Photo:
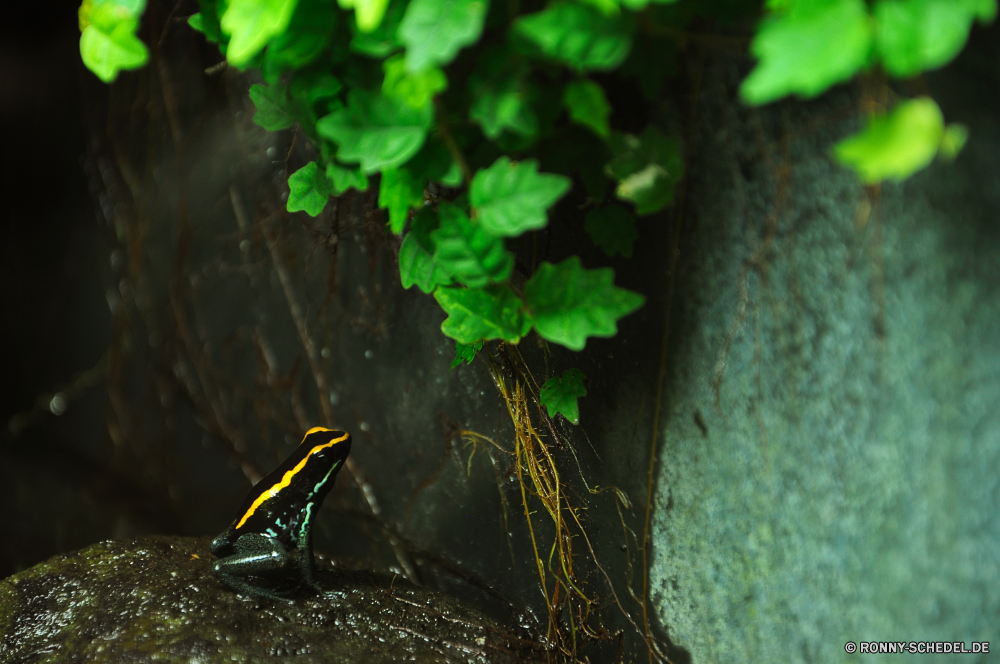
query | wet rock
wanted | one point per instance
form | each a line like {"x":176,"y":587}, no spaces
{"x":157,"y":599}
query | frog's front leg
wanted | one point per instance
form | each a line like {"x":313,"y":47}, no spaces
{"x":307,"y":564}
{"x":255,"y":554}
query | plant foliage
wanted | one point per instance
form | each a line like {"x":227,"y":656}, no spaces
{"x":108,"y":43}
{"x":559,"y":395}
{"x":506,"y":110}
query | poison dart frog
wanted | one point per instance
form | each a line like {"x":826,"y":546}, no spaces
{"x":277,"y":515}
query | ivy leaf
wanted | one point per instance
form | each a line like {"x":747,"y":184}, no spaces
{"x":588,"y":106}
{"x":108,"y":43}
{"x":476,"y":314}
{"x":435,"y":30}
{"x":309,"y":190}
{"x":274,"y":110}
{"x":578,"y":35}
{"x":417,"y":266}
{"x":569,"y":304}
{"x":915,"y":35}
{"x":251,"y":24}
{"x":367,"y":13}
{"x":466,"y":353}
{"x":434,"y":163}
{"x":377,"y":131}
{"x":307,"y":35}
{"x":897,"y":145}
{"x":399,"y":191}
{"x":203,"y":22}
{"x":511,"y":197}
{"x":639,"y":5}
{"x":612,"y":228}
{"x":416,"y":89}
{"x":559,"y":395}
{"x":953,"y":140}
{"x":416,"y":254}
{"x":345,"y":178}
{"x":807,"y":48}
{"x":501,"y":95}
{"x":467,"y":252}
{"x":646,"y":168}
{"x":382,"y":40}
{"x":310,"y":87}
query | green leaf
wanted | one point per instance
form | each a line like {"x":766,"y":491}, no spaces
{"x":251,"y":24}
{"x":579,"y":35}
{"x":511,"y":197}
{"x":367,"y":13}
{"x":203,"y":23}
{"x":559,"y":395}
{"x":107,"y":53}
{"x":466,"y":353}
{"x":309,"y":190}
{"x":897,"y":145}
{"x":476,"y":314}
{"x":502,"y":95}
{"x":638,"y":5}
{"x":399,"y":191}
{"x":274,"y":110}
{"x":435,"y":164}
{"x":953,"y":140}
{"x":569,"y":304}
{"x":588,"y":106}
{"x":414,"y":88}
{"x":307,"y":36}
{"x":612,"y":228}
{"x":345,"y":178}
{"x":383,"y":40}
{"x":435,"y":30}
{"x":310,"y":87}
{"x":808,"y":48}
{"x":416,"y":254}
{"x":915,"y":35}
{"x":108,"y":43}
{"x":106,"y":14}
{"x":646,"y":168}
{"x":377,"y":131}
{"x":417,"y":266}
{"x":467,"y":252}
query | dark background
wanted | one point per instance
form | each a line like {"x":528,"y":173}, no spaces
{"x":55,"y":272}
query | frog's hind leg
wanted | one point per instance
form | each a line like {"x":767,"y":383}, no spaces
{"x":255,"y":554}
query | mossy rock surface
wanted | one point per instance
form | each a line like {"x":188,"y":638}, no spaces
{"x":156,"y":599}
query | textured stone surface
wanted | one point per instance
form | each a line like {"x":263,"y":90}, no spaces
{"x":828,"y":471}
{"x":156,"y":599}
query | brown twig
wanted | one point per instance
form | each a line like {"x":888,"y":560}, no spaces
{"x":322,"y":387}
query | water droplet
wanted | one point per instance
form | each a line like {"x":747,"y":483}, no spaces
{"x":325,"y":352}
{"x":364,"y":427}
{"x":58,"y":403}
{"x":334,"y":398}
{"x":369,"y":354}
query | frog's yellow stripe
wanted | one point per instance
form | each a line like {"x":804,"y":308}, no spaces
{"x":288,"y":476}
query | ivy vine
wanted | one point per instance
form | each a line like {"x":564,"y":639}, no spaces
{"x":505,"y":106}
